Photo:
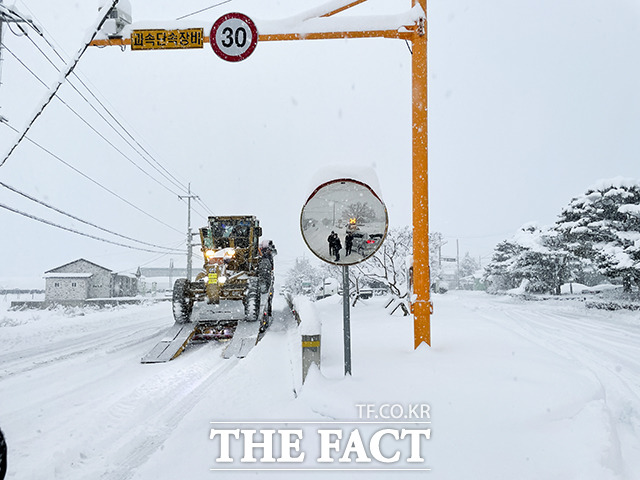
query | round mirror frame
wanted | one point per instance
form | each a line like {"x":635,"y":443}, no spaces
{"x":361,"y":253}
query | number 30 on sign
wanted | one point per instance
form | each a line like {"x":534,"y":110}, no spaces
{"x":234,"y":37}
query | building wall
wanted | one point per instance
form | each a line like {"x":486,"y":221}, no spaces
{"x":66,"y":288}
{"x":124,"y":286}
{"x":99,"y":285}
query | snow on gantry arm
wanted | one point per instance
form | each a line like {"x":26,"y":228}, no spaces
{"x":313,"y":21}
{"x":318,"y":20}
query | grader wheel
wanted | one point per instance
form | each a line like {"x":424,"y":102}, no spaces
{"x":252,"y":300}
{"x":182,"y":301}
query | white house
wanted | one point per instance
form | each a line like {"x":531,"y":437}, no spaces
{"x":81,"y":280}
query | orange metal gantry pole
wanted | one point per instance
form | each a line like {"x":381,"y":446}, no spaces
{"x":421,"y":303}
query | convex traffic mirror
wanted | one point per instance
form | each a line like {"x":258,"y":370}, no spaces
{"x":344,"y":222}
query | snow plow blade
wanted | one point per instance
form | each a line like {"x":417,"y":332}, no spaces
{"x":244,"y":339}
{"x":173,"y":344}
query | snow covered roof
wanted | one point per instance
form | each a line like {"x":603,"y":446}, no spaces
{"x":68,"y":275}
{"x":53,"y":270}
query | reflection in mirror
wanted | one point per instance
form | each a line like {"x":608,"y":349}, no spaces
{"x":344,"y":222}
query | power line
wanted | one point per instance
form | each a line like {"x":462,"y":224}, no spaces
{"x":93,"y":181}
{"x":41,"y":32}
{"x":203,"y":10}
{"x":163,"y":172}
{"x":153,"y":260}
{"x":71,"y":109}
{"x":77,"y":232}
{"x":88,"y":124}
{"x":51,"y":207}
{"x":54,"y":90}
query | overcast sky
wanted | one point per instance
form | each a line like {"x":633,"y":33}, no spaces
{"x":530,"y":102}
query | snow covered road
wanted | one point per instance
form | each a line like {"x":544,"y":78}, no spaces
{"x":603,"y":346}
{"x":516,"y":389}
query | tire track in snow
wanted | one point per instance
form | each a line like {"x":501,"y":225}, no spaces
{"x":602,"y":348}
{"x":95,"y":338}
{"x":169,"y":399}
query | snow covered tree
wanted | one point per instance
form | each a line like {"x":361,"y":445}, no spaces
{"x":303,"y":277}
{"x":361,"y":211}
{"x":603,"y":225}
{"x":500,"y":274}
{"x":388,"y":264}
{"x":542,"y":262}
{"x":436,"y":241}
{"x":468,"y":267}
{"x":534,"y":254}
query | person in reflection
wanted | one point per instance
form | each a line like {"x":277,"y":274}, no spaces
{"x":348,"y":243}
{"x":332,"y":240}
{"x":337,"y":246}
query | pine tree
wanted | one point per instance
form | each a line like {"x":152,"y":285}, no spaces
{"x":603,"y":225}
{"x":534,"y":254}
{"x":500,"y":274}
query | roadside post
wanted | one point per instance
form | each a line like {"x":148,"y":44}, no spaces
{"x":346,"y":319}
{"x":311,"y":353}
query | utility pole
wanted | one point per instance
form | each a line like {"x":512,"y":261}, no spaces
{"x":1,"y":45}
{"x":458,"y":264}
{"x":189,"y":234}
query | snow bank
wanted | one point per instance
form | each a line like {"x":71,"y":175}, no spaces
{"x":309,"y":320}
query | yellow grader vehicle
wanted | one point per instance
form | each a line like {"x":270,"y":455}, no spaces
{"x":230,"y":298}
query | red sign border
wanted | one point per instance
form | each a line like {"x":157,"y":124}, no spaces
{"x":254,"y":36}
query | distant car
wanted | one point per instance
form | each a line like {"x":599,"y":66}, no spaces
{"x":365,"y":244}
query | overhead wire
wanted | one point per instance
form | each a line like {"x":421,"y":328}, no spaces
{"x":203,"y":10}
{"x":153,"y":260}
{"x":49,"y":152}
{"x":161,"y":169}
{"x":88,"y":124}
{"x":77,"y":232}
{"x":86,"y":222}
{"x":41,"y":32}
{"x":58,"y":158}
{"x":53,"y":91}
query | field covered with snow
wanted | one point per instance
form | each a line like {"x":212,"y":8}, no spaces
{"x":515,"y":390}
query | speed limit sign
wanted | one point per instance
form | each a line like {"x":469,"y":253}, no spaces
{"x":234,"y":37}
